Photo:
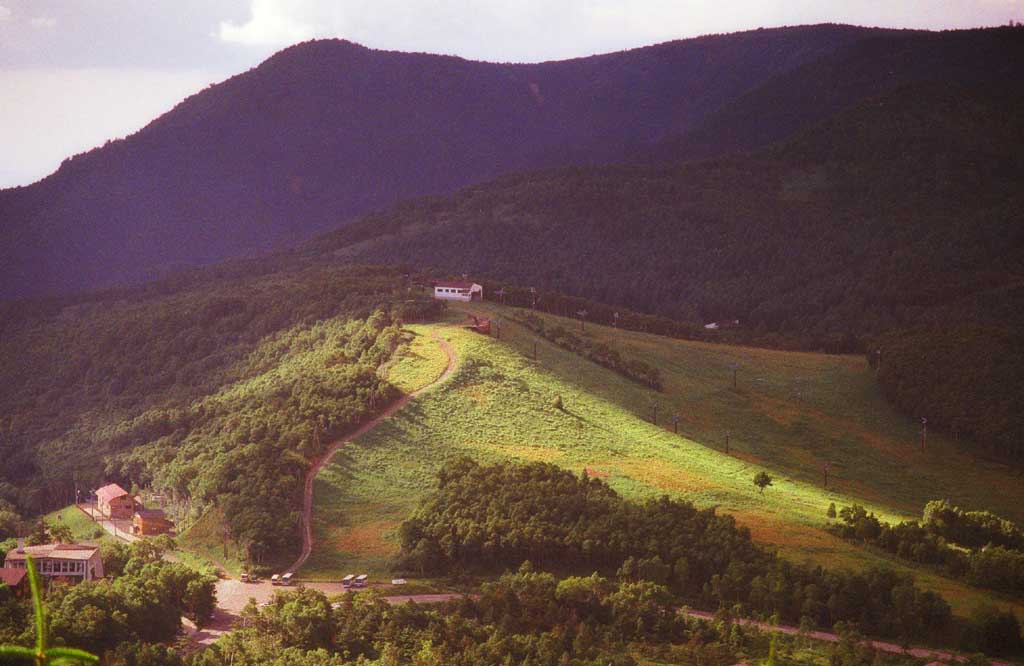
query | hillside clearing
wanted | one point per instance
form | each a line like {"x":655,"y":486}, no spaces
{"x":499,"y":406}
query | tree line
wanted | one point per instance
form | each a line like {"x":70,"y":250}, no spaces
{"x":485,"y":517}
{"x":524,"y":617}
{"x":601,"y":353}
{"x":977,"y":547}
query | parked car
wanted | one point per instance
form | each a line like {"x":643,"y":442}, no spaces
{"x":398,"y":581}
{"x":275,"y":580}
{"x":244,"y":577}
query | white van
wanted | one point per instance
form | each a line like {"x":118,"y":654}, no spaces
{"x":275,"y":580}
{"x":286,"y":579}
{"x":361,"y":580}
{"x":346,"y":582}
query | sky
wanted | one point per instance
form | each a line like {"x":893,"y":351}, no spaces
{"x":76,"y":73}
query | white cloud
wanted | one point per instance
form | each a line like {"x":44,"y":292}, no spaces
{"x":43,"y":22}
{"x":5,"y":14}
{"x":272,"y":23}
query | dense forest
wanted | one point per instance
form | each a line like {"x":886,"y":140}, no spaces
{"x":964,"y":379}
{"x":483,"y":518}
{"x":897,"y":212}
{"x":218,"y":388}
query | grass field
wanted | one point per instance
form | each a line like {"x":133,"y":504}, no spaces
{"x":788,"y":414}
{"x":82,"y":526}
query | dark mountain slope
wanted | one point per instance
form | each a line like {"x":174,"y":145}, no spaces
{"x":327,"y":130}
{"x":870,"y":67}
{"x":905,"y":208}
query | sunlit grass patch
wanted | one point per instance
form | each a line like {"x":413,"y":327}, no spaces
{"x":419,"y":362}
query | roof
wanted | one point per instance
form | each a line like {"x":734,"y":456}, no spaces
{"x":110,"y":491}
{"x":12,"y":577}
{"x":456,"y":285}
{"x":151,"y":513}
{"x":55,"y":551}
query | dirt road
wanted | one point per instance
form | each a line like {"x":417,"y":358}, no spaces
{"x":307,"y":502}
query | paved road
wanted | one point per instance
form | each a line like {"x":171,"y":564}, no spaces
{"x":233,"y":595}
{"x":307,"y":503}
{"x":919,"y":652}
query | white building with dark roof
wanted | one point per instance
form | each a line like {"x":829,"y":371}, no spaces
{"x":458,"y":291}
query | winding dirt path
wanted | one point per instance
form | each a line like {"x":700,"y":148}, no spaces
{"x":307,"y":500}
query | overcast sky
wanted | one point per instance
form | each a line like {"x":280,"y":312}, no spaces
{"x":74,"y":73}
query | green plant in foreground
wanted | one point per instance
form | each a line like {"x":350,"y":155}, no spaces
{"x":42,"y":655}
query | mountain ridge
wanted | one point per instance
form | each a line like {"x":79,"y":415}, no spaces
{"x":325,"y":131}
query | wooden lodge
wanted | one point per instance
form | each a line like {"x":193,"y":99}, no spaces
{"x":151,"y":522}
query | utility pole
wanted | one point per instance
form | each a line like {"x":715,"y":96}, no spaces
{"x":654,"y":405}
{"x":533,"y":298}
{"x":675,"y":423}
{"x":535,"y":349}
{"x":726,"y":442}
{"x":924,"y":432}
{"x":734,"y":368}
{"x":878,"y":362}
{"x":825,"y":470}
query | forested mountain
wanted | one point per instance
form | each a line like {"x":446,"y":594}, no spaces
{"x":903,"y":210}
{"x":864,"y":69}
{"x":326,"y":130}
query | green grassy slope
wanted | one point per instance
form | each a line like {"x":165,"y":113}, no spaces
{"x":82,"y":527}
{"x":498,"y":406}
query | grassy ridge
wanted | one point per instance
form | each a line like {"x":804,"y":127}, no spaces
{"x":499,"y":406}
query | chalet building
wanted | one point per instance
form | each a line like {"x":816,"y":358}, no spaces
{"x":458,"y":291}
{"x":70,"y":561}
{"x":151,"y":522}
{"x":113,"y":501}
{"x":16,"y":579}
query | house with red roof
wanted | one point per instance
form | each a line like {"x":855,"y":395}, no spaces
{"x":16,"y":579}
{"x":113,"y":501}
